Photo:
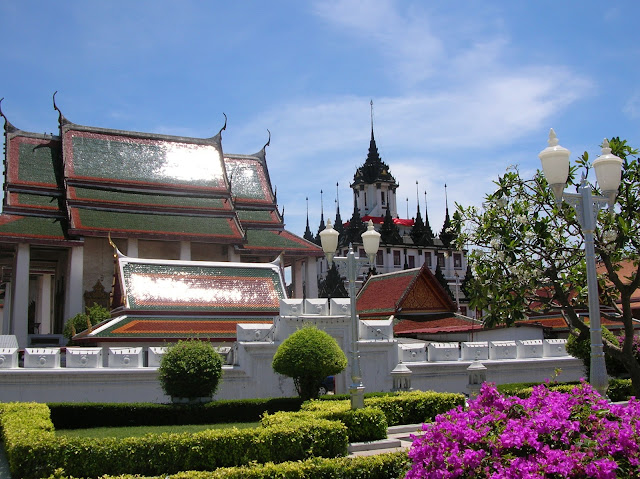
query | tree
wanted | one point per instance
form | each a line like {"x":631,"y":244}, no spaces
{"x":529,"y":254}
{"x":190,"y":369}
{"x":81,"y":321}
{"x":308,"y":356}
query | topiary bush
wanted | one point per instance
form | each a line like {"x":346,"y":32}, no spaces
{"x":190,"y":369}
{"x":308,"y":356}
{"x":94,"y":314}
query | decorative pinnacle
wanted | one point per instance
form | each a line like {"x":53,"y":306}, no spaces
{"x":605,"y":147}
{"x":553,"y":139}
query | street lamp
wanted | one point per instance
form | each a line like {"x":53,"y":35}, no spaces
{"x":555,"y":166}
{"x":371,"y":242}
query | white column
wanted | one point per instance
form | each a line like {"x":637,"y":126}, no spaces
{"x":312,"y":277}
{"x":73,"y":303}
{"x":132,"y":247}
{"x":297,"y":279}
{"x":232,"y":255}
{"x":185,"y":250}
{"x":43,"y":304}
{"x":18,"y":322}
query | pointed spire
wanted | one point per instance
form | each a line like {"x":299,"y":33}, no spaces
{"x":308,"y":235}
{"x":428,"y":232}
{"x":371,"y":103}
{"x":417,"y":197}
{"x":337,"y":224}
{"x":446,"y":235}
{"x":322,"y":225}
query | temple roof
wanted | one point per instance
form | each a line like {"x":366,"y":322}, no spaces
{"x":374,"y":170}
{"x":411,"y":292}
{"x":101,"y":182}
{"x":179,"y":299}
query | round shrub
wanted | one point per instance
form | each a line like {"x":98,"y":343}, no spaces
{"x":581,"y":349}
{"x":550,"y":434}
{"x":190,"y":369}
{"x":308,"y":356}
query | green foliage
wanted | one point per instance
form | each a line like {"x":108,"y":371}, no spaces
{"x":528,"y":251}
{"x":364,"y":424}
{"x":380,"y":466}
{"x":34,"y":451}
{"x":619,"y":389}
{"x":83,"y":415}
{"x":308,"y":356}
{"x":190,"y":369}
{"x":579,"y":346}
{"x":81,"y":321}
{"x":402,"y":407}
{"x":524,"y":390}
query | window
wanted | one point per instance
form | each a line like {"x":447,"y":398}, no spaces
{"x":396,"y":258}
{"x":427,"y":259}
{"x":463,"y":310}
{"x":380,"y":258}
{"x":440,"y":257}
{"x":365,"y":199}
{"x":362,"y":253}
{"x":457,"y":260}
{"x":382,"y":197}
{"x":412,"y":261}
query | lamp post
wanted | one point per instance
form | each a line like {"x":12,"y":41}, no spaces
{"x":371,"y":242}
{"x":555,"y":166}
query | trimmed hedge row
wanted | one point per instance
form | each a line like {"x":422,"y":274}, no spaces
{"x":380,"y":466}
{"x":620,"y":389}
{"x":87,"y":415}
{"x":365,"y":424}
{"x":35,"y":451}
{"x":411,"y":407}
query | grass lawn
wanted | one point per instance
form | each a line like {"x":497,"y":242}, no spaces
{"x":132,"y":431}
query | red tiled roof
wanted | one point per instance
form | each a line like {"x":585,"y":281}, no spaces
{"x":412,"y":291}
{"x":447,"y":324}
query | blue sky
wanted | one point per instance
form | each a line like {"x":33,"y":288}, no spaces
{"x":461,"y":89}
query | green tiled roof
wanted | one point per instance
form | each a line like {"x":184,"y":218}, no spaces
{"x":248,"y":180}
{"x":258,"y":216}
{"x":99,"y":195}
{"x":30,"y":227}
{"x":142,"y":161}
{"x":38,"y":162}
{"x":85,"y":220}
{"x":33,"y":161}
{"x":25,"y":199}
{"x":259,"y":239}
{"x":175,"y":286}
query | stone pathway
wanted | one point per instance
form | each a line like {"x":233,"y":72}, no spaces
{"x":398,"y":439}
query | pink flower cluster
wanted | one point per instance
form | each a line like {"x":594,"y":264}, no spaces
{"x":550,"y":434}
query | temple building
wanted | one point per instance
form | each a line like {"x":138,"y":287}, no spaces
{"x":67,"y":196}
{"x":406,"y":243}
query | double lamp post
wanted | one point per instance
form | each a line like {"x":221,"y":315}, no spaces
{"x":371,"y":242}
{"x":608,"y":167}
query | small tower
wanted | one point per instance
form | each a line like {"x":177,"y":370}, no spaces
{"x":374,"y":188}
{"x":308,"y":235}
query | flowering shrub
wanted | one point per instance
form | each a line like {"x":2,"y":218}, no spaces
{"x":550,"y":434}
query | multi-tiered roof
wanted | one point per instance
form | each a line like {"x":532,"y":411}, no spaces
{"x":91,"y":181}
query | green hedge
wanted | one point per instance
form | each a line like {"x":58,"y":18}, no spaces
{"x":620,"y":389}
{"x":87,"y":415}
{"x":365,"y":424}
{"x":380,"y":466}
{"x":414,"y":407}
{"x":411,"y":407}
{"x":34,"y":451}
